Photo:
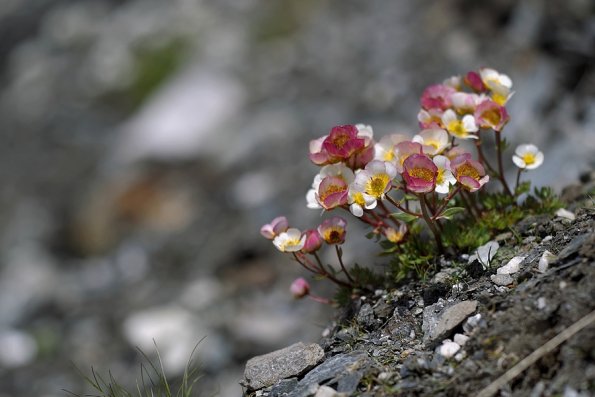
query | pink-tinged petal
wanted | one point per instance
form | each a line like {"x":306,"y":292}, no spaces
{"x":313,"y":241}
{"x":332,"y":192}
{"x":275,"y":227}
{"x":333,"y":230}
{"x":437,"y":97}
{"x":474,"y":81}
{"x":343,"y":141}
{"x":419,"y":173}
{"x":360,"y":159}
{"x":489,"y":114}
{"x":404,"y":150}
{"x":299,"y":288}
{"x":470,"y":183}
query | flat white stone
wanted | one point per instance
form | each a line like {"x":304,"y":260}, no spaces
{"x":485,"y":253}
{"x":448,"y":348}
{"x":564,"y":213}
{"x":513,"y":266}
{"x":461,"y":339}
{"x":545,"y":260}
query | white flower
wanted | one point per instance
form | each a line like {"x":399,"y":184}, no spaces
{"x":527,"y":156}
{"x":434,"y":140}
{"x":358,"y":199}
{"x":460,"y":128}
{"x":290,"y":241}
{"x":444,"y":178}
{"x":499,"y":83}
{"x":453,"y":81}
{"x":465,"y":102}
{"x":384,"y":150}
{"x":366,"y":132}
{"x":376,"y":179}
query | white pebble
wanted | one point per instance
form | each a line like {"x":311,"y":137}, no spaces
{"x":546,"y":239}
{"x":545,"y":260}
{"x":448,"y":348}
{"x":461,"y":339}
{"x":541,"y":303}
{"x":564,"y":213}
{"x":513,"y":266}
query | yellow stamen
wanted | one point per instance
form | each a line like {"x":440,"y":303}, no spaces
{"x":333,"y":235}
{"x":492,"y":116}
{"x":331,"y":190}
{"x":389,"y":155}
{"x":529,"y":158}
{"x":499,"y":99}
{"x":377,"y":185}
{"x":289,"y":243}
{"x":422,"y":173}
{"x":394,"y":236}
{"x":440,"y":177}
{"x":457,"y":129}
{"x":468,"y":170}
{"x":358,"y":198}
{"x":340,"y":140}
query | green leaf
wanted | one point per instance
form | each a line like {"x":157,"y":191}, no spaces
{"x":410,"y":197}
{"x":403,"y":216}
{"x":450,"y":212}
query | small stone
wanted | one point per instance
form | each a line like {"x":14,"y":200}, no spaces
{"x":541,"y":303}
{"x":460,"y":356}
{"x":472,"y":323}
{"x":448,"y":349}
{"x":266,"y":370}
{"x":545,"y":260}
{"x":564,"y":213}
{"x":439,"y":321}
{"x":365,"y":316}
{"x":501,"y":279}
{"x":485,"y":253}
{"x":574,"y":246}
{"x":513,"y":266}
{"x":384,"y":376}
{"x":547,"y":238}
{"x":461,"y":339}
{"x":326,"y":391}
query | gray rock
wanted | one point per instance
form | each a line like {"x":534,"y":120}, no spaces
{"x":283,"y":387}
{"x":501,"y":279}
{"x":266,"y":370}
{"x":346,"y":370}
{"x":365,"y":316}
{"x":439,"y":320}
{"x":574,"y":246}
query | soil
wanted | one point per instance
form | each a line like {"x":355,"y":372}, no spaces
{"x":513,"y":321}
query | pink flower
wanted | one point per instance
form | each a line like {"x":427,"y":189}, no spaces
{"x":437,"y":97}
{"x":333,"y":230}
{"x":343,"y":142}
{"x":473,"y":80}
{"x":431,"y":118}
{"x":468,"y":172}
{"x":318,"y":154}
{"x":277,"y":226}
{"x":489,"y":114}
{"x":404,"y":150}
{"x":299,"y":288}
{"x":332,"y":192}
{"x":313,"y":241}
{"x":351,"y":144}
{"x":419,"y":173}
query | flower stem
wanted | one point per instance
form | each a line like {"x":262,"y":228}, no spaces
{"x":500,"y":166}
{"x":482,"y":158}
{"x":396,"y":204}
{"x":340,"y":257}
{"x":518,"y":179}
{"x":325,"y":273}
{"x":446,"y":201}
{"x":430,"y":222}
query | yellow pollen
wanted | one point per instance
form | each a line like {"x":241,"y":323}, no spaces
{"x":358,"y":198}
{"x":394,"y":236}
{"x":435,"y":144}
{"x":289,"y":243}
{"x":389,"y":155}
{"x":440,"y":177}
{"x":332,"y":235}
{"x":377,"y":184}
{"x":499,"y":99}
{"x":492,"y":116}
{"x":529,"y":158}
{"x":468,"y":170}
{"x":340,"y":140}
{"x":457,"y":129}
{"x":330,"y":190}
{"x":422,"y":173}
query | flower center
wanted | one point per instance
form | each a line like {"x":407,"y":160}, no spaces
{"x":440,"y":177}
{"x":422,"y":173}
{"x":389,"y":155}
{"x":358,"y":198}
{"x":529,"y":158}
{"x":468,"y":170}
{"x":333,"y":235}
{"x":290,"y":243}
{"x":492,"y":116}
{"x":340,"y":139}
{"x":377,"y":185}
{"x":499,"y":99}
{"x":332,"y":189}
{"x":457,"y":129}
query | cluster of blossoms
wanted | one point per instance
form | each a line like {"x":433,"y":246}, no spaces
{"x":401,"y":178}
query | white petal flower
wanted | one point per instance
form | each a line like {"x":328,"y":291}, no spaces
{"x":384,"y":150}
{"x":459,"y":128}
{"x":527,"y":156}
{"x":444,"y":178}
{"x":357,"y":198}
{"x":290,"y":241}
{"x":499,"y":83}
{"x":366,"y":132}
{"x":434,"y":140}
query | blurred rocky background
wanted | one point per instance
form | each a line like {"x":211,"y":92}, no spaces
{"x":144,"y":142}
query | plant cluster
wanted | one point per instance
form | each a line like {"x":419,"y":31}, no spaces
{"x":399,"y":183}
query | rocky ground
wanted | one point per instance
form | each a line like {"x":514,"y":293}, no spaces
{"x":456,"y":333}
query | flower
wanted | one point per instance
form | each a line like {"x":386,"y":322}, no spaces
{"x":276,"y":226}
{"x":420,"y":173}
{"x":358,"y":199}
{"x":375,"y":180}
{"x":498,"y":83}
{"x":469,"y":172}
{"x":473,"y":80}
{"x":313,"y":241}
{"x":352,"y":144}
{"x":336,"y":170}
{"x":431,"y":118}
{"x":434,"y":140}
{"x":489,"y":114}
{"x":332,"y":192}
{"x":527,"y":156}
{"x":393,"y":235}
{"x":453,"y":81}
{"x":464,"y":102}
{"x":460,"y":128}
{"x":444,"y":177}
{"x":291,"y":240}
{"x":404,"y":150}
{"x":385,"y":148}
{"x":299,"y":288}
{"x":437,"y":97}
{"x":333,"y":230}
